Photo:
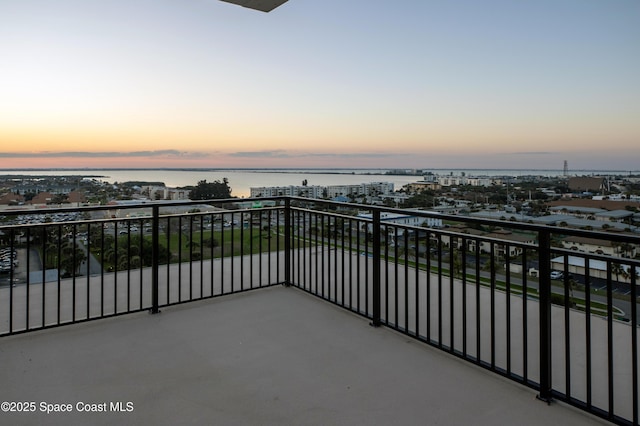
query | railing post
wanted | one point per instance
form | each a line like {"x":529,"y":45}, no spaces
{"x":287,"y":242}
{"x":544,"y":294}
{"x":376,"y":268}
{"x":155,"y":258}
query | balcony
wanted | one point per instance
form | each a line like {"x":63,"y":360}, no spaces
{"x":468,"y":328}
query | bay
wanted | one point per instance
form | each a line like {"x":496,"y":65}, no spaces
{"x":241,"y":180}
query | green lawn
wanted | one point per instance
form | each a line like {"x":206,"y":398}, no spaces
{"x":227,"y":242}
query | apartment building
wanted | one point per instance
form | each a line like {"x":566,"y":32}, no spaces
{"x":331,"y":191}
{"x":314,"y":191}
{"x":366,"y":189}
{"x":467,"y":180}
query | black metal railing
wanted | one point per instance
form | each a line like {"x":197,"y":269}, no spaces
{"x":114,"y":260}
{"x":510,"y":297}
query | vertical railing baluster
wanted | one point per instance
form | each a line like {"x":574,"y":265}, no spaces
{"x":12,"y":249}
{"x":115,"y":269}
{"x":567,"y":327}
{"x":28,"y":278}
{"x":222,"y":243}
{"x":167,"y":235}
{"x":477,"y":300}
{"x":190,"y":243}
{"x":366,"y":269}
{"x":88,"y":270}
{"x":287,"y":242}
{"x":58,"y":267}
{"x":305,"y":237}
{"x":141,"y":262}
{"x":416,"y":295}
{"x":440,"y":266}
{"x":101,"y":270}
{"x":376,"y":269}
{"x":464,"y":296}
{"x":342,"y":246}
{"x":492,"y":304}
{"x":212,"y":256}
{"x":334,"y":232}
{"x":358,"y":263}
{"x":428,"y":285}
{"x":242,"y":250}
{"x":396,"y":256}
{"x":269,"y":224}
{"x":544,"y":292}
{"x":406,"y":281}
{"x":128,"y":268}
{"x":507,"y":256}
{"x":634,"y":342}
{"x":73,"y":257}
{"x":242,"y":247}
{"x":587,"y":340}
{"x":155,"y":258}
{"x":43,"y":263}
{"x":233,"y":251}
{"x":201,"y":256}
{"x":525,"y":337}
{"x":610,"y":340}
{"x":452,"y":273}
{"x":179,"y":242}
{"x":387,"y":231}
{"x":316,"y":268}
{"x":351,"y":263}
{"x":323,"y":242}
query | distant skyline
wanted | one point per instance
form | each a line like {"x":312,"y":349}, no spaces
{"x":343,"y":84}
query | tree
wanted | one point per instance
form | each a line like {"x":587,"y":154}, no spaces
{"x":456,"y":264}
{"x":72,"y":258}
{"x":59,"y":199}
{"x":211,"y":190}
{"x":618,"y":270}
{"x":421,"y":199}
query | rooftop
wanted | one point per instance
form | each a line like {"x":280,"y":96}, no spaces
{"x":273,"y":356}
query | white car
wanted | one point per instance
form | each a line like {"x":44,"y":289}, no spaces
{"x":556,"y":275}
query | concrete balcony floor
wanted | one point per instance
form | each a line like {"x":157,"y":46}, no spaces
{"x":274,"y":356}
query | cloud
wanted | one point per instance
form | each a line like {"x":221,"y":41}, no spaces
{"x":355,"y":155}
{"x":261,"y":154}
{"x":285,"y":154}
{"x":111,"y":154}
{"x":533,"y":153}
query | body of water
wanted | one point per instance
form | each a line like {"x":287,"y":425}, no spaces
{"x":242,"y":180}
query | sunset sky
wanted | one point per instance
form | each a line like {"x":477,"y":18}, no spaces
{"x":320,"y":83}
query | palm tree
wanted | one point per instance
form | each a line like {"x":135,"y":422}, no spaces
{"x":135,"y":262}
{"x":123,"y":262}
{"x":109,"y":255}
{"x":456,"y":264}
{"x":72,"y":258}
{"x":572,"y":284}
{"x":617,"y":269}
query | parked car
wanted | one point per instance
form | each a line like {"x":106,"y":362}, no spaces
{"x":557,"y":275}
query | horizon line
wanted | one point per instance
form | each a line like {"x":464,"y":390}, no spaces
{"x":307,"y":168}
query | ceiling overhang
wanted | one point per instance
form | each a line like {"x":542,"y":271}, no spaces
{"x":262,"y":5}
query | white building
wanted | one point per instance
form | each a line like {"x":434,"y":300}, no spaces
{"x":597,"y":268}
{"x":291,"y":191}
{"x":163,"y":193}
{"x":467,"y":180}
{"x":593,"y":245}
{"x":364,"y":189}
{"x":402,"y":219}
